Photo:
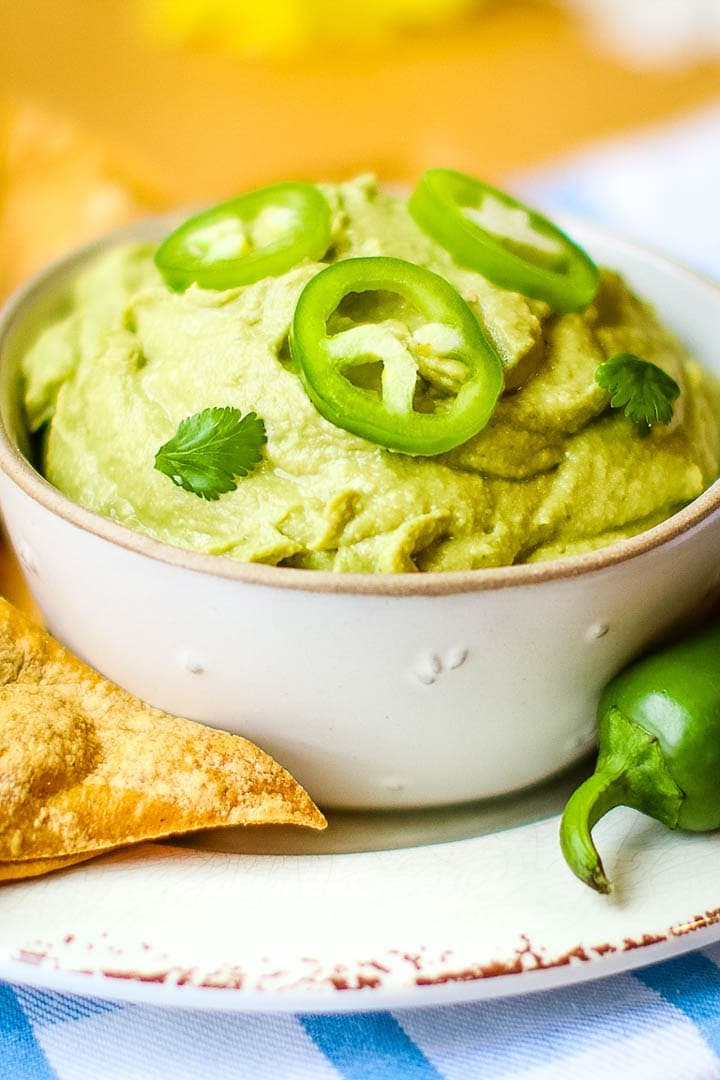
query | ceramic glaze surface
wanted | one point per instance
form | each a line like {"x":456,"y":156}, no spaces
{"x":441,"y":922}
{"x":371,"y":698}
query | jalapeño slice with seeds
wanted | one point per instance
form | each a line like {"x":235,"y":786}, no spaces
{"x":263,"y":233}
{"x":485,"y":229}
{"x":437,"y":375}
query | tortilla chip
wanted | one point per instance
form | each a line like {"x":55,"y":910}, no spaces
{"x":59,"y":187}
{"x":85,"y":766}
{"x":27,"y":868}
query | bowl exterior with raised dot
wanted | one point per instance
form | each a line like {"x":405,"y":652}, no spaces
{"x":392,"y":690}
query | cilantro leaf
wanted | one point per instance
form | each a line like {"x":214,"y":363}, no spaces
{"x":644,"y":390}
{"x":211,"y":449}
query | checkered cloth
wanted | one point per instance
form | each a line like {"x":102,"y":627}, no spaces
{"x":661,"y":1023}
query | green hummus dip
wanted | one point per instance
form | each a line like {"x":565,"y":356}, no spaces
{"x":556,"y":472}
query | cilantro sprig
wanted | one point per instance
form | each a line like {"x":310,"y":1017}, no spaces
{"x":211,"y":449}
{"x":644,"y":390}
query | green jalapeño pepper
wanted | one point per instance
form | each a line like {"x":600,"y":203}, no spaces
{"x":659,"y":749}
{"x":513,"y":246}
{"x":261,"y":234}
{"x":419,"y":384}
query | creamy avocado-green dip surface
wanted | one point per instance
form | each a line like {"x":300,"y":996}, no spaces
{"x":556,"y":471}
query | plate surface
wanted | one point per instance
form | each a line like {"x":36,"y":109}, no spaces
{"x":381,"y":911}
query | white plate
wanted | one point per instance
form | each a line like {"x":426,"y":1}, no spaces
{"x":381,"y":911}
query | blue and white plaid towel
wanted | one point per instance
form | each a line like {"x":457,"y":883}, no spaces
{"x":661,"y":1023}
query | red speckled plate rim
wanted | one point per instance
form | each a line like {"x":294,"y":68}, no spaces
{"x":553,"y":976}
{"x":665,"y":881}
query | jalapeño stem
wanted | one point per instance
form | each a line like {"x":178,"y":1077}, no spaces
{"x":631,"y":771}
{"x":600,"y":793}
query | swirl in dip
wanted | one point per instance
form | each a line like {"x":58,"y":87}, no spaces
{"x":555,"y":472}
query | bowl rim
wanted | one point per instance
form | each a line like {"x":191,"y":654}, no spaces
{"x":447,"y":582}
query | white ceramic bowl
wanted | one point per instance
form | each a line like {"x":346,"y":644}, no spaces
{"x":375,"y":691}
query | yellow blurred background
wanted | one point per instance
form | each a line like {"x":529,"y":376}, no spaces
{"x":213,"y":95}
